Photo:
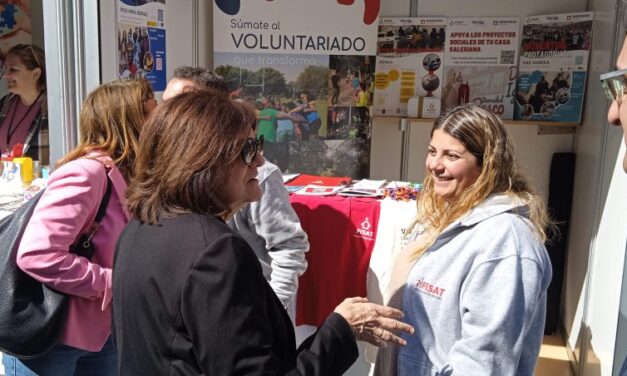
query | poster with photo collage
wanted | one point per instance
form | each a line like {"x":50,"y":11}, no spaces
{"x":481,"y":63}
{"x":409,"y":66}
{"x":141,"y":41}
{"x":309,"y":74}
{"x":555,"y":50}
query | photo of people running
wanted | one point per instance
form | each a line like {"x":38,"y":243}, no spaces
{"x":297,"y":98}
{"x":347,"y":76}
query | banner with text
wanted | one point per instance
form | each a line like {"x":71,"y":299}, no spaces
{"x":310,"y":75}
{"x":553,"y":67}
{"x":481,"y":63}
{"x":409,"y":69}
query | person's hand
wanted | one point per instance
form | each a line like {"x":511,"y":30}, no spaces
{"x":372,"y":322}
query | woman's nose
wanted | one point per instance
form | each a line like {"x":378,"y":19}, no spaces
{"x":433,"y":163}
{"x":259,"y":159}
{"x":613,"y":115}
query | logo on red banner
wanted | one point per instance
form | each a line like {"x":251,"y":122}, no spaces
{"x":365,"y":231}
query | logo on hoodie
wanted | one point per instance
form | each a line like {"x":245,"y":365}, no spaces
{"x":429,"y":288}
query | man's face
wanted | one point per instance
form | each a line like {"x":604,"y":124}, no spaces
{"x":177,"y":86}
{"x":617,"y":114}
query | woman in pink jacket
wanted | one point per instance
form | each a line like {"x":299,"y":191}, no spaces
{"x":110,"y":121}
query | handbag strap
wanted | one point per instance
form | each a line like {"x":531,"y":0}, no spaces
{"x":102,"y":210}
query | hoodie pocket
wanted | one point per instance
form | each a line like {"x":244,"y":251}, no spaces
{"x":409,"y":366}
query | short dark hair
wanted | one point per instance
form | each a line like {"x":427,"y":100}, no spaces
{"x":187,"y":147}
{"x":203,"y":77}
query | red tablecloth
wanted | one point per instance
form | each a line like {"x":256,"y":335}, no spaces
{"x":342,"y":233}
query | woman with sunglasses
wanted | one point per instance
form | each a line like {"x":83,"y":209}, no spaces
{"x":23,"y":112}
{"x":189,"y":295}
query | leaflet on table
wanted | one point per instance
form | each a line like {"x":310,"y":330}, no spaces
{"x":368,"y":184}
{"x":398,"y":184}
{"x":289,"y":177}
{"x":305,"y":179}
{"x":554,"y":58}
{"x":409,"y":65}
{"x":361,"y":192}
{"x":319,"y":190}
{"x":293,"y":188}
{"x":480,"y":60}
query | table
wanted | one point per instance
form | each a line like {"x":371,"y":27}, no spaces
{"x":346,"y":235}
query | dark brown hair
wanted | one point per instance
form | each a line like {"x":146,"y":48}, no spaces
{"x":111,"y":118}
{"x":32,"y":57}
{"x":187,"y":147}
{"x":203,"y":78}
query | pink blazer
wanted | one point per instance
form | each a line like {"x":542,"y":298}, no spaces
{"x":66,"y":209}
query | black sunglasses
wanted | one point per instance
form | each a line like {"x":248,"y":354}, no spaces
{"x":614,"y":84}
{"x":251,"y":148}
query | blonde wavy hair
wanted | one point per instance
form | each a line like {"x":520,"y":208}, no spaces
{"x":110,"y":120}
{"x":484,"y":136}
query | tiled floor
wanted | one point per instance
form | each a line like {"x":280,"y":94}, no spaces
{"x":553,"y":359}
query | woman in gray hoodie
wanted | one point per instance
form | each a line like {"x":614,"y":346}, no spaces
{"x":474,"y":275}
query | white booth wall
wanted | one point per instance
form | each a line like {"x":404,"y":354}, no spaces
{"x":595,"y":255}
{"x":597,"y":233}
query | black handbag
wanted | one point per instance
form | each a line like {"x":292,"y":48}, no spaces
{"x":32,"y":314}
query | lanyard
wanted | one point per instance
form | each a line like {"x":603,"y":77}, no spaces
{"x":13,"y":127}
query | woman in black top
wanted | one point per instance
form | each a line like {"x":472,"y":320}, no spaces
{"x":189,"y":296}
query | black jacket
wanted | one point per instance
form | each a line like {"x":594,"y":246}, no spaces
{"x":189,"y":298}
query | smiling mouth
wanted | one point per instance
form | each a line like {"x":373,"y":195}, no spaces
{"x":441,"y":179}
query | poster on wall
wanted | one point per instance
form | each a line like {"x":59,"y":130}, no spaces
{"x":309,"y":75}
{"x":15,"y":28}
{"x":481,"y":63}
{"x":141,"y":41}
{"x":553,"y":68}
{"x":409,"y":66}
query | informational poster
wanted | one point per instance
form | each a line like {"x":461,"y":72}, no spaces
{"x":481,"y":63}
{"x":553,"y":67}
{"x":141,"y":41}
{"x":15,"y":28}
{"x":409,"y":64}
{"x":310,"y":75}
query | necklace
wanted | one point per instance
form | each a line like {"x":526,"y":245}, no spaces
{"x":14,"y":126}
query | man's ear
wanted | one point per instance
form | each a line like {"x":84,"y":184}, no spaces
{"x":188,"y":88}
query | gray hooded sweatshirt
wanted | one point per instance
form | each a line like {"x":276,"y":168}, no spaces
{"x":272,"y":229}
{"x":477,"y":297}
